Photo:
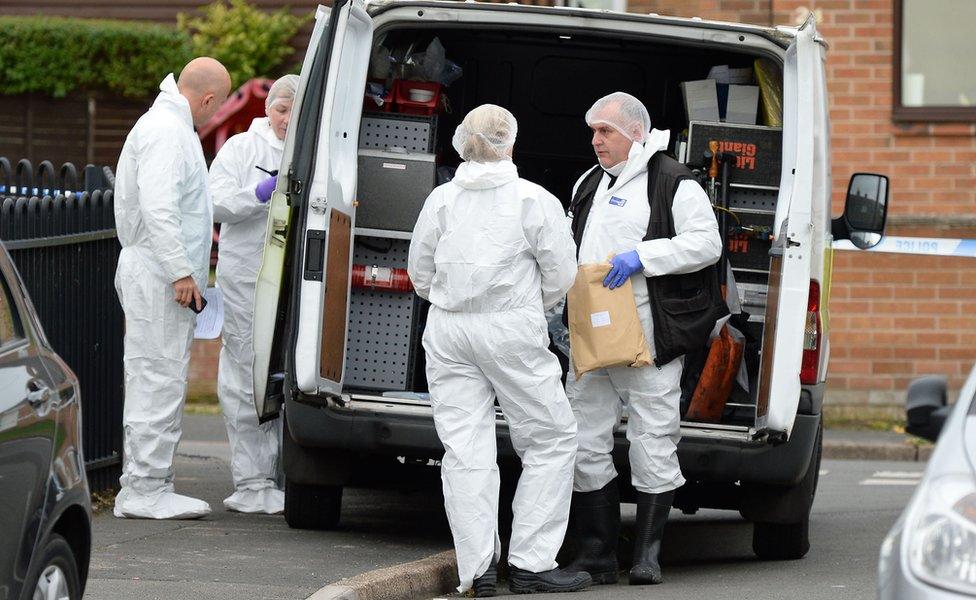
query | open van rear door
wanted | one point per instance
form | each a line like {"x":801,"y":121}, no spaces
{"x":321,"y":163}
{"x":793,"y":249}
{"x":328,"y":194}
{"x":270,"y":308}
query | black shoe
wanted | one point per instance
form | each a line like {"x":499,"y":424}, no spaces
{"x":652,"y":514}
{"x":594,"y":528}
{"x":521,"y":581}
{"x":485,"y":586}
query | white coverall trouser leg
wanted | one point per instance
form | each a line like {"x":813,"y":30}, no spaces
{"x":156,"y":360}
{"x":471,"y":358}
{"x":253,"y":446}
{"x":651,"y":396}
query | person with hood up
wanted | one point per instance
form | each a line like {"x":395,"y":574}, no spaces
{"x":163,"y":218}
{"x":242,"y":182}
{"x":492,"y":251}
{"x":644,"y":210}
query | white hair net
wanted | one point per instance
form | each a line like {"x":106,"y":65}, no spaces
{"x":487,"y":134}
{"x":624,"y":113}
{"x":282,"y":90}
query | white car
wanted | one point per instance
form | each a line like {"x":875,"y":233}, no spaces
{"x":931,"y":550}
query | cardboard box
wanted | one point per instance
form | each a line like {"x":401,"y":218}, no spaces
{"x":701,"y":100}
{"x":743,"y":104}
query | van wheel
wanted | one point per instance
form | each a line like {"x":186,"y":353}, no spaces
{"x":781,"y":541}
{"x":54,"y":575}
{"x":791,"y":541}
{"x":312,"y":506}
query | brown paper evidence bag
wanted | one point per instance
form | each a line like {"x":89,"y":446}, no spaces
{"x":604,"y":329}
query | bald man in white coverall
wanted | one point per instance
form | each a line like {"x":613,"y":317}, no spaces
{"x":164,"y":223}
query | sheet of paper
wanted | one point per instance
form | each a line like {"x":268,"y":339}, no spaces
{"x":211,"y":320}
{"x":600,"y":319}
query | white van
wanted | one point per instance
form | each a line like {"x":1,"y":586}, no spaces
{"x":346,"y":363}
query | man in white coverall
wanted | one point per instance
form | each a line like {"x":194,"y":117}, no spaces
{"x":241,"y":186}
{"x":491,"y":251}
{"x":163,"y":218}
{"x":659,"y":227}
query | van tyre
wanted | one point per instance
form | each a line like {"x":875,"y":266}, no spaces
{"x":791,"y":541}
{"x":54,"y":573}
{"x":312,"y":506}
{"x":781,"y":541}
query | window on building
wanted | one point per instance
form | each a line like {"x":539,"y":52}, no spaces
{"x":935,"y":74}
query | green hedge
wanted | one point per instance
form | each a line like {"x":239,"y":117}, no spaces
{"x":57,"y":56}
{"x":248,"y":41}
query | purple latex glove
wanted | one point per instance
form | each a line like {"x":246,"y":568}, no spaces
{"x":623,"y":266}
{"x":263,"y":190}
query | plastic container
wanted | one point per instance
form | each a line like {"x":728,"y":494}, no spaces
{"x":420,"y":95}
{"x":408,"y":97}
{"x":369,"y":103}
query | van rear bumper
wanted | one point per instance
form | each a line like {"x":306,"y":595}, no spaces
{"x":404,"y":430}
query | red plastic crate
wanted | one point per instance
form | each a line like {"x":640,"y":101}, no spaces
{"x":401,"y":97}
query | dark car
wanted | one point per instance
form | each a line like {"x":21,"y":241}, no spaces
{"x":45,"y":507}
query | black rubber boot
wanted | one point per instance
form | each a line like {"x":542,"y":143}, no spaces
{"x":521,"y":581}
{"x":594,"y":528}
{"x":486,"y":585}
{"x":652,"y":514}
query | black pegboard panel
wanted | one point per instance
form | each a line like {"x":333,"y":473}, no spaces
{"x":380,"y":323}
{"x":416,"y":134}
{"x":753,"y":199}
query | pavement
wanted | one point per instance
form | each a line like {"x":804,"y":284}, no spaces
{"x":874,"y":445}
{"x":397,"y":546}
{"x":231,"y":556}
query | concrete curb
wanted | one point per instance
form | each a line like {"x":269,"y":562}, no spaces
{"x":430,"y":576}
{"x":876,"y":451}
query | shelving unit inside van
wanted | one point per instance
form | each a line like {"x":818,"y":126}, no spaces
{"x":753,"y":192}
{"x":397,"y":171}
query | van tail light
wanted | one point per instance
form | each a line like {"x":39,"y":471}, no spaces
{"x":810,"y":368}
{"x":384,"y":279}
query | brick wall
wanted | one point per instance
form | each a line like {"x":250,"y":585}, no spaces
{"x":203,"y":368}
{"x":744,"y":11}
{"x":894,"y":316}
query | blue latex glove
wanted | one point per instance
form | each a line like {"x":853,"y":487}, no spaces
{"x":263,"y":190}
{"x":623,"y":266}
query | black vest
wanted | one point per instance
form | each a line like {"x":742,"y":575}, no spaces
{"x":684,"y":308}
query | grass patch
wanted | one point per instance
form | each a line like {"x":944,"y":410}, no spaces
{"x":864,"y":418}
{"x":202,"y":400}
{"x":201,"y":409}
{"x":204,"y":397}
{"x":102,"y":501}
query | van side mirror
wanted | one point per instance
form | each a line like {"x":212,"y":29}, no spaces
{"x":925,"y":408}
{"x":865,"y":211}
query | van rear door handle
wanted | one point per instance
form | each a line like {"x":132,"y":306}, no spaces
{"x":38,"y":393}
